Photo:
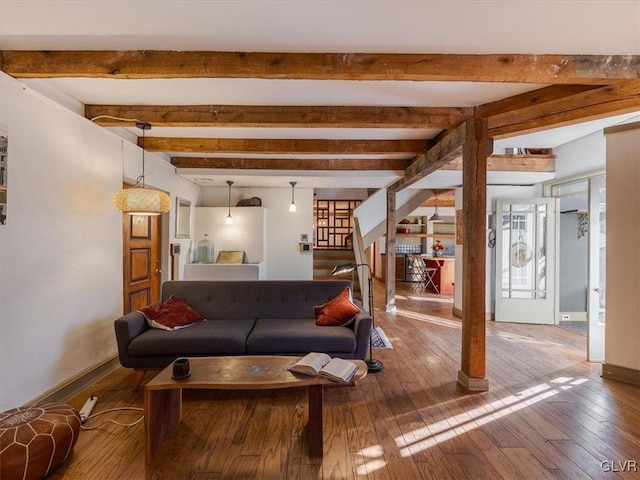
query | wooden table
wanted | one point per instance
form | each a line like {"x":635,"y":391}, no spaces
{"x":163,"y":395}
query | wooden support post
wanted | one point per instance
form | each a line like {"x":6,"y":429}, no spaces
{"x":476,"y":149}
{"x":390,"y":280}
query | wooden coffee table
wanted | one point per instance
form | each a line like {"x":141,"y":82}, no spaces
{"x":163,"y":395}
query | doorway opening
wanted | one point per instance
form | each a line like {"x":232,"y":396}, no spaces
{"x":573,"y":255}
{"x":581,"y":253}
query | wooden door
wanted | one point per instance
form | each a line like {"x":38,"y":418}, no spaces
{"x":141,"y":260}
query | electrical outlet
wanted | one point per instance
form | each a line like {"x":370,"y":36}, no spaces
{"x":566,"y":316}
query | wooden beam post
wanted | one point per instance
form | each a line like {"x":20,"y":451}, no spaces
{"x":475,"y":151}
{"x":390,"y":277}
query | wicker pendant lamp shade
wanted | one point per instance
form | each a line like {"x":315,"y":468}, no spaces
{"x":140,"y":200}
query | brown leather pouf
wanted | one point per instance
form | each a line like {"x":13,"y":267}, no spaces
{"x":36,"y":440}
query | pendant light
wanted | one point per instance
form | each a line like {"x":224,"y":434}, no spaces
{"x":229,"y":220}
{"x":140,"y":200}
{"x":436,"y":216}
{"x":292,"y":207}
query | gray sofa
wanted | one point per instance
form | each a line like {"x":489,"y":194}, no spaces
{"x":261,"y":317}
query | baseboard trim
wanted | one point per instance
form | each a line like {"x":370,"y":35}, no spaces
{"x":457,"y":312}
{"x":65,"y":391}
{"x":622,"y":374}
{"x":472,"y":384}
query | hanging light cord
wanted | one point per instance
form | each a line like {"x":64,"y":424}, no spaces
{"x":141,"y":125}
{"x":144,"y":127}
{"x":135,"y":120}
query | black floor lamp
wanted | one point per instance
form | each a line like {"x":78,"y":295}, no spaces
{"x":373,"y":366}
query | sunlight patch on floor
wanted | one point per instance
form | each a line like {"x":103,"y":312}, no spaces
{"x":422,"y":317}
{"x":434,"y":299}
{"x":434,"y":434}
{"x":370,"y":467}
{"x":371,"y":458}
{"x":517,"y":338}
{"x":421,"y":439}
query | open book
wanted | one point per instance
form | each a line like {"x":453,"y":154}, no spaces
{"x":322,"y":365}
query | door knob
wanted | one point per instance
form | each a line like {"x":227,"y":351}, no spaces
{"x":158,"y":271}
{"x":597,"y":290}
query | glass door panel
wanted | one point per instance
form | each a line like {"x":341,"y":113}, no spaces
{"x":525,"y":231}
{"x":597,"y":268}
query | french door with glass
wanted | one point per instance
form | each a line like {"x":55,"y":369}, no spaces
{"x":525,"y":260}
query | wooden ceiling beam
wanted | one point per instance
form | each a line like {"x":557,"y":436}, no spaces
{"x":278,"y":116}
{"x":441,"y":198}
{"x":511,"y":163}
{"x":145,"y":64}
{"x":282,"y":146}
{"x":530,"y":99}
{"x":495,"y":163}
{"x":290,"y":163}
{"x":577,"y":106}
{"x":447,"y":148}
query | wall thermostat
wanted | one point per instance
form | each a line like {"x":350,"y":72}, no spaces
{"x":306,"y":247}
{"x":175,"y":249}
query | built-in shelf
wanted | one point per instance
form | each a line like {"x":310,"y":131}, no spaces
{"x":418,"y":239}
{"x":426,"y":235}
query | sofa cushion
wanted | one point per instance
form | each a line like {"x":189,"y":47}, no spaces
{"x":283,"y":336}
{"x":218,"y":337}
{"x":173,"y":314}
{"x":339,"y":311}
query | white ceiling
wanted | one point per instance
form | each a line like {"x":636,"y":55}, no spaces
{"x":349,"y":26}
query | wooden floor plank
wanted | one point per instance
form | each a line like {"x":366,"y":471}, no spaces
{"x":548,"y":415}
{"x":527,"y":463}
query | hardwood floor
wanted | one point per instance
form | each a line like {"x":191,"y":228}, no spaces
{"x":548,"y":415}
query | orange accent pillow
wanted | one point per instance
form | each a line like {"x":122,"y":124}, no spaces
{"x":340,"y":311}
{"x":173,"y":314}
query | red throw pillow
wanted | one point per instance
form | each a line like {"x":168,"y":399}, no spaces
{"x":174,"y":313}
{"x":339,"y":311}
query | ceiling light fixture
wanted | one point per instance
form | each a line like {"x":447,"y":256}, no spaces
{"x":436,"y":216}
{"x":140,"y":200}
{"x":229,"y":220}
{"x":292,"y":207}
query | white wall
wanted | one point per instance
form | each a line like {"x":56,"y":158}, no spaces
{"x":61,"y":249}
{"x":283,"y":258}
{"x":246,"y":233}
{"x":573,"y":260}
{"x":586,"y":154}
{"x":622,"y":327}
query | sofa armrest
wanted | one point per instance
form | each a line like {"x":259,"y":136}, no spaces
{"x":362,"y":326}
{"x":127,"y":328}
